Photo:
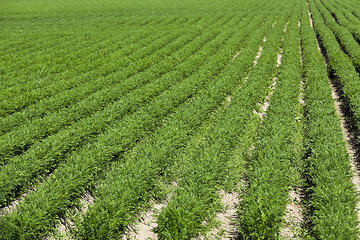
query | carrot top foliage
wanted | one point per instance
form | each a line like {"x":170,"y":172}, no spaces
{"x":142,"y":101}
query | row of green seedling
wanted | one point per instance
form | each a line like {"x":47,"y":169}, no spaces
{"x":59,"y":85}
{"x":20,"y":139}
{"x":196,"y":199}
{"x":130,"y":191}
{"x":69,"y":181}
{"x":330,"y":195}
{"x":45,"y":156}
{"x":274,"y":164}
{"x":67,"y":99}
{"x":40,"y":128}
{"x":351,"y":6}
{"x":27,"y":57}
{"x":51,"y":39}
{"x":130,"y":57}
{"x":345,"y":18}
{"x":342,"y":34}
{"x":339,"y":64}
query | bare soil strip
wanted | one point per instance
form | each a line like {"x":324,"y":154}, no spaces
{"x":264,"y":106}
{"x":258,"y":54}
{"x":63,"y":230}
{"x":286,"y":25}
{"x":227,"y":229}
{"x":12,"y":206}
{"x":293,"y":218}
{"x":349,"y":138}
{"x":143,"y":229}
{"x":310,"y":17}
{"x":301,"y":100}
{"x":274,"y":24}
{"x":86,"y":201}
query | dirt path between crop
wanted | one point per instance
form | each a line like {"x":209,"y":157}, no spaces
{"x":8,"y":209}
{"x":143,"y":230}
{"x":228,"y":227}
{"x":310,"y":17}
{"x":63,"y":229}
{"x":294,"y":217}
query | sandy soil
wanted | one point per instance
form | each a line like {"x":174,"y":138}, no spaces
{"x":143,"y":230}
{"x":227,"y":228}
{"x":310,"y":18}
{"x":293,"y":218}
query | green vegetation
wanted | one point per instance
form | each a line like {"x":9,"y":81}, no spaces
{"x":274,"y":164}
{"x":332,"y":196}
{"x":136,"y":102}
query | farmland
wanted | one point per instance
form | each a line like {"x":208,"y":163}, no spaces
{"x":179,"y":119}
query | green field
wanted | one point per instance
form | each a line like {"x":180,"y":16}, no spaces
{"x":110,"y":108}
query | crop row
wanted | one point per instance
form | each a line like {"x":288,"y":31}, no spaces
{"x":340,"y":66}
{"x":274,"y":164}
{"x":122,"y":115}
{"x":56,"y":50}
{"x":20,"y":139}
{"x":196,"y":199}
{"x":342,"y":34}
{"x":158,"y":154}
{"x":63,"y":93}
{"x":89,"y":89}
{"x":116,"y":85}
{"x":44,"y":156}
{"x":83,"y":167}
{"x":351,"y":6}
{"x":75,"y":51}
{"x":134,"y":56}
{"x":345,"y":18}
{"x":332,"y":197}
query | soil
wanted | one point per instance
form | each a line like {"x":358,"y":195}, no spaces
{"x":293,"y":218}
{"x":227,"y":228}
{"x":144,"y":229}
{"x":310,"y":18}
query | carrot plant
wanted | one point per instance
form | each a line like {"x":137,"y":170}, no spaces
{"x":85,"y":166}
{"x":38,"y":161}
{"x":274,"y":164}
{"x":196,"y":200}
{"x":159,"y":153}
